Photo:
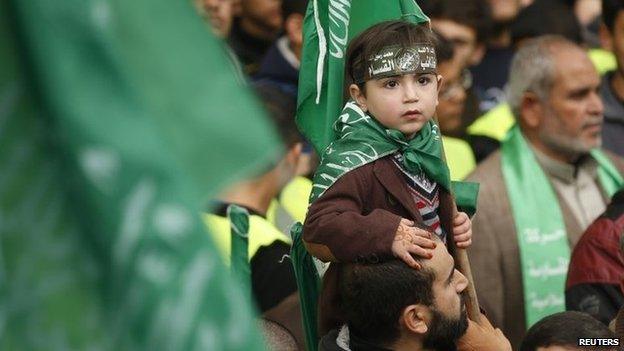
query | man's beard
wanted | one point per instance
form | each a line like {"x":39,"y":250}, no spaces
{"x":444,"y":332}
{"x":572,"y":148}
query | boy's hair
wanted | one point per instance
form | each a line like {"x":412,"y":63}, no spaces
{"x":564,"y":329}
{"x":475,"y":14}
{"x":610,"y":10}
{"x":373,"y":296}
{"x":281,"y":108}
{"x":377,"y":37}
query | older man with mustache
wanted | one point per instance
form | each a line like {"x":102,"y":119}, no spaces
{"x":548,"y":182}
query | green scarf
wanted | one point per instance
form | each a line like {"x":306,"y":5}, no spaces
{"x":542,"y":238}
{"x":361,"y":140}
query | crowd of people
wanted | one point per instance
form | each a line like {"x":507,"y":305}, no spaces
{"x":529,"y":100}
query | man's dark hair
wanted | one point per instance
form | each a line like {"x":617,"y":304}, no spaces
{"x":373,"y":297}
{"x":375,"y":38}
{"x":293,"y":6}
{"x":561,"y":21}
{"x":475,"y":14}
{"x":443,"y":48}
{"x":281,"y":108}
{"x":610,"y":10}
{"x":564,"y":329}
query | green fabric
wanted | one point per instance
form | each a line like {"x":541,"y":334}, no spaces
{"x":361,"y":140}
{"x":239,"y":224}
{"x":328,"y":26}
{"x":308,"y":285}
{"x":107,"y":154}
{"x":466,"y":196}
{"x":542,"y":237}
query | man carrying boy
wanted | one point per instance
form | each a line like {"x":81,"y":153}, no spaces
{"x":390,"y":306}
{"x":382,"y":188}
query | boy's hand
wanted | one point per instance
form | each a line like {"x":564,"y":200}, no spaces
{"x":412,"y":240}
{"x":483,"y":336}
{"x":462,"y":230}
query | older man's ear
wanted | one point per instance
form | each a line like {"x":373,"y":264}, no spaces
{"x":531,"y":111}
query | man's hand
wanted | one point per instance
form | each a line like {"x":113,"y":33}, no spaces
{"x":412,"y":240}
{"x":462,"y":230}
{"x":483,"y":336}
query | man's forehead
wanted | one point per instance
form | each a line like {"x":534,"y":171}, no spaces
{"x":441,"y":263}
{"x":574,"y":68}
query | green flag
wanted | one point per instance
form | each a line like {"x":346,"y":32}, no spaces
{"x":328,"y":27}
{"x":117,"y":122}
{"x":308,"y":284}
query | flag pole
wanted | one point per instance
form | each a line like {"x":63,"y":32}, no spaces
{"x":463,"y":264}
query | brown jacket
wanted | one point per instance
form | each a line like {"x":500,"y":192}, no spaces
{"x":356,"y":219}
{"x":494,"y":253}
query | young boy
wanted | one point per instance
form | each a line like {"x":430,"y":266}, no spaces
{"x":382,"y":187}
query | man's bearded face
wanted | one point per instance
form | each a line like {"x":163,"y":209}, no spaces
{"x":444,"y":331}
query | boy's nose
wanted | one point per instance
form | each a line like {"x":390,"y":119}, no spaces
{"x":409,"y":93}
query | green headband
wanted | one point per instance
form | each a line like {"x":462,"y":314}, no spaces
{"x":396,"y":60}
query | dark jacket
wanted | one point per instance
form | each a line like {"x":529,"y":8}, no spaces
{"x":597,"y":266}
{"x":613,"y":128}
{"x":276,"y":69}
{"x":356,"y":219}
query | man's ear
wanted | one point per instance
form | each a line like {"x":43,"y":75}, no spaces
{"x":358,"y":96}
{"x":440,"y":84}
{"x":415,"y":319}
{"x":606,"y":39}
{"x":531,"y":110}
{"x":294,"y":154}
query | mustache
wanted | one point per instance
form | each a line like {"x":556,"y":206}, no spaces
{"x":594,"y":121}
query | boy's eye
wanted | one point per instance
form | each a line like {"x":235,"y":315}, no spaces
{"x":424,"y":80}
{"x":391,"y":83}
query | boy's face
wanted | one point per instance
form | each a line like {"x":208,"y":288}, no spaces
{"x":404,"y":103}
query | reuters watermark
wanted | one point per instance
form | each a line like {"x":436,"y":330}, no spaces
{"x":599,"y":342}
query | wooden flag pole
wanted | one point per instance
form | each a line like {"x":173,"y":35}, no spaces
{"x":463,"y":265}
{"x":470,"y":294}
